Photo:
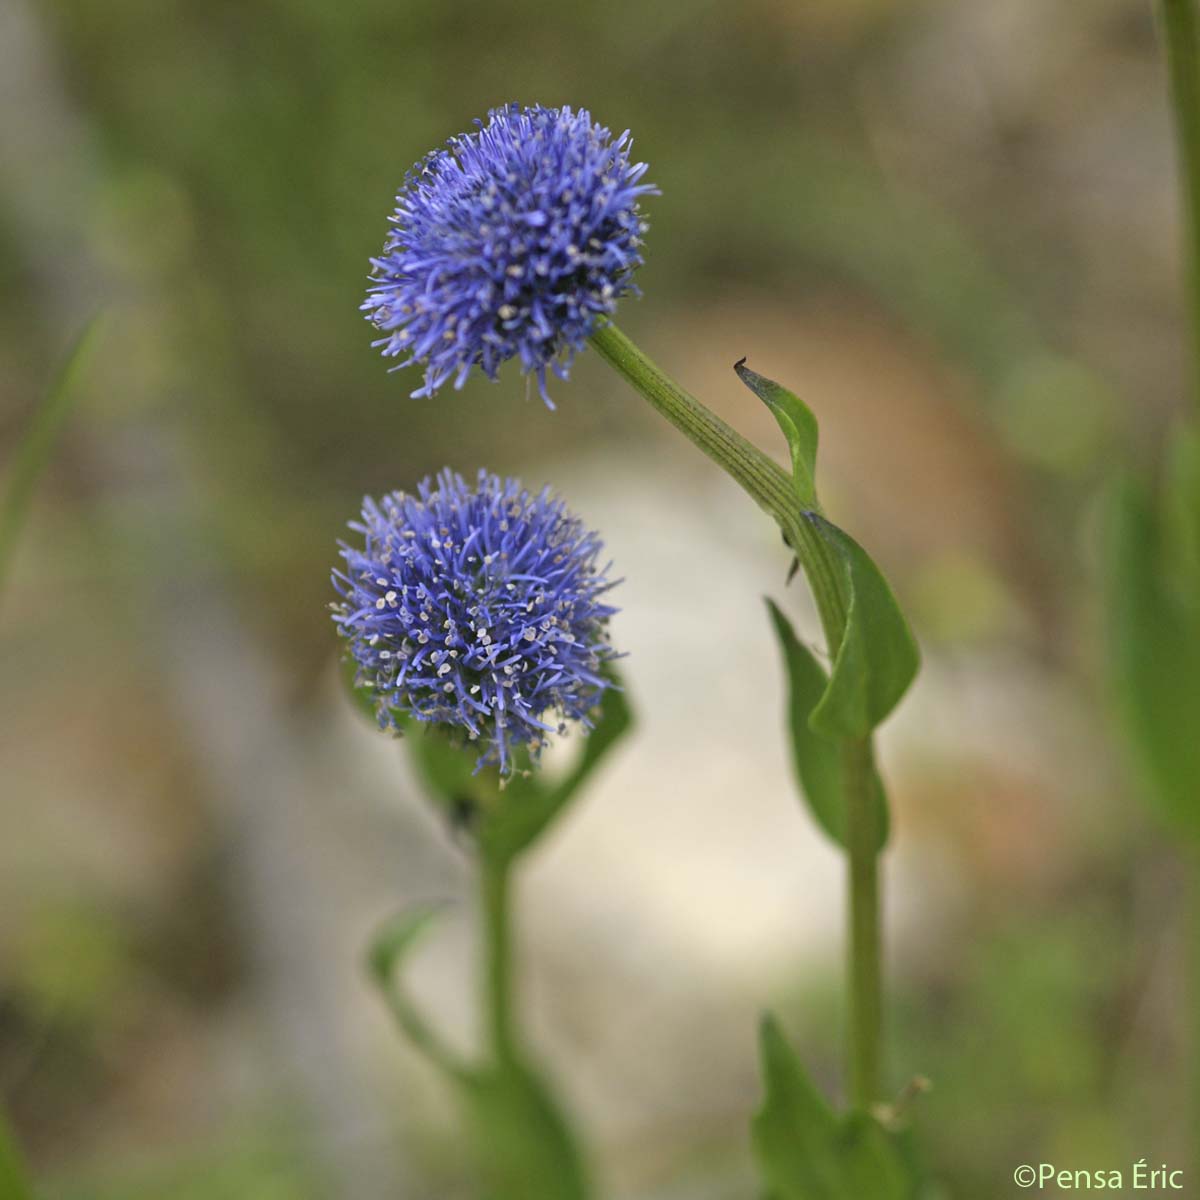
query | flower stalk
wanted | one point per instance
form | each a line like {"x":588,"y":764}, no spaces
{"x":495,"y":893}
{"x":761,"y":477}
{"x":772,"y":489}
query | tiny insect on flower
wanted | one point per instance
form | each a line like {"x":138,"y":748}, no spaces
{"x":479,"y":609}
{"x":511,"y":242}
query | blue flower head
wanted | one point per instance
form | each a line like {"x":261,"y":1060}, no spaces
{"x":511,"y":242}
{"x":479,"y":609}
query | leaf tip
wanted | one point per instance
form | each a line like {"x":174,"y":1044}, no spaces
{"x":391,"y":942}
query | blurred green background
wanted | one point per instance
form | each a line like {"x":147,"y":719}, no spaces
{"x":950,"y":226}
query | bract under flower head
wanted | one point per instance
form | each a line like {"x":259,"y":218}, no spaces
{"x":478,"y":609}
{"x":511,"y":242}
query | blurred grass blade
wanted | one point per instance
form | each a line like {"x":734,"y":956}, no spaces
{"x":36,"y":445}
{"x":1183,"y":511}
{"x":807,"y":1152}
{"x":14,"y":1183}
{"x":1154,"y":646}
{"x":817,"y":760}
{"x":799,"y":427}
{"x":877,"y":659}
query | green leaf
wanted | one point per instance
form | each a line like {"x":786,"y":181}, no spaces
{"x":392,"y":942}
{"x":525,"y":1150}
{"x":447,"y":770}
{"x":14,"y":1183}
{"x":507,"y":819}
{"x":817,"y":760}
{"x":878,"y":658}
{"x":36,"y":446}
{"x":807,"y":1152}
{"x":876,"y":1162}
{"x":795,"y":1131}
{"x":528,"y":805}
{"x":386,"y":955}
{"x":1154,"y":643}
{"x":799,"y":426}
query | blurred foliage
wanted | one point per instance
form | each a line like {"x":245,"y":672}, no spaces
{"x":1154,"y":638}
{"x":259,"y":1163}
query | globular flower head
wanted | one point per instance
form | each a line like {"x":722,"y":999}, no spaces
{"x":510,"y":242}
{"x":479,"y":609}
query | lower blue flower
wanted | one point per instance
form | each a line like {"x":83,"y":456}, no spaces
{"x":479,"y":609}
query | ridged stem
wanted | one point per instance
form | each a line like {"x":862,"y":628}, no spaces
{"x":767,"y":484}
{"x":771,"y":488}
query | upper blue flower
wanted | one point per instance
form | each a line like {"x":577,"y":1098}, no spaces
{"x":479,"y":609}
{"x":509,"y":243}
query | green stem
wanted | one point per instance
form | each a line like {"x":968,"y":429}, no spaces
{"x":765,"y":481}
{"x":1182,"y":36}
{"x":771,"y":488}
{"x":865,"y":1023}
{"x":497,"y":959}
{"x":767,"y":484}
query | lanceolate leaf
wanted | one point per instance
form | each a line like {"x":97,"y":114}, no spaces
{"x":1154,"y":642}
{"x":878,"y":657}
{"x":807,"y":1152}
{"x":795,"y":1131}
{"x":799,"y":427}
{"x":817,"y":760}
